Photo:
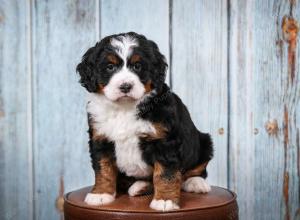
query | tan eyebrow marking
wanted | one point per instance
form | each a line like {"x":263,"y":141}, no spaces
{"x":112,"y":58}
{"x":135,"y":58}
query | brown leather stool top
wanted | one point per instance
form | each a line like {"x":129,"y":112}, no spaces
{"x":218,"y":204}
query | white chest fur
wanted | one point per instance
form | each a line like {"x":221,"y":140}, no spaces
{"x":118,"y":122}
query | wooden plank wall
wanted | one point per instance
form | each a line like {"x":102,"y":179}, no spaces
{"x":264,"y":108}
{"x":15,"y":112}
{"x":229,"y":61}
{"x":199,"y":72}
{"x":61,"y":32}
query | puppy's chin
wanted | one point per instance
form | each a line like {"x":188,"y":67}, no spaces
{"x":124,"y":99}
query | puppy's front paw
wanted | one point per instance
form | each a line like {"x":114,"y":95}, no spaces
{"x":163,"y":205}
{"x":196,"y":184}
{"x":99,"y":199}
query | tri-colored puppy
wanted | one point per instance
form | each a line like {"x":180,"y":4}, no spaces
{"x":141,"y":135}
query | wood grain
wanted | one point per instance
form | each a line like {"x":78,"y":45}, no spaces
{"x":15,"y":119}
{"x":264,"y":107}
{"x":199,"y":72}
{"x":62,"y":32}
{"x":234,"y":63}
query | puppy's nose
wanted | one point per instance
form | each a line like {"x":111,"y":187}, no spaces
{"x":125,"y":87}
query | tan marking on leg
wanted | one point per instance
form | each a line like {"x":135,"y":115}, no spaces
{"x":105,"y":178}
{"x":195,"y":171}
{"x":164,"y":188}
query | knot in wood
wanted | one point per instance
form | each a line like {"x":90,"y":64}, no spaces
{"x":221,"y":131}
{"x":272,"y":127}
{"x":290,"y":29}
{"x":60,"y":204}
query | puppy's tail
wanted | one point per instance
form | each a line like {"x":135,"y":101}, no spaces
{"x":207,"y":150}
{"x":206,"y":146}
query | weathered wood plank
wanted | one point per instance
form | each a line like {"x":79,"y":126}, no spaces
{"x":147,"y":17}
{"x":241,"y":153}
{"x":199,"y":72}
{"x":62,"y":32}
{"x":264,"y":109}
{"x":15,"y":119}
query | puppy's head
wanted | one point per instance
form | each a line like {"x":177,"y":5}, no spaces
{"x":126,"y":66}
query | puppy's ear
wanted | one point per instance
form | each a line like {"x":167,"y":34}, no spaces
{"x":159,"y":64}
{"x":87,"y":70}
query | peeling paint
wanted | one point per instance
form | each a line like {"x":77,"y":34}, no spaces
{"x":60,"y":199}
{"x":221,"y":131}
{"x":272,"y":127}
{"x":286,"y":174}
{"x":290,"y":29}
{"x":286,"y":195}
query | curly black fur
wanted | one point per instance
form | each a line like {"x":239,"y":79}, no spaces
{"x":183,"y":147}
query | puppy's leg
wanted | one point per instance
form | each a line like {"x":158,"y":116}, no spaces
{"x":196,"y":184}
{"x":167,"y":184}
{"x":194,"y":180}
{"x":104,"y":190}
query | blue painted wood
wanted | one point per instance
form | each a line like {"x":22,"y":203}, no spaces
{"x":147,"y":17}
{"x":42,"y":107}
{"x":62,"y":32}
{"x":199,"y":72}
{"x":264,"y":110}
{"x":15,"y":114}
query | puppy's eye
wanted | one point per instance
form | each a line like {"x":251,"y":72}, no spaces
{"x":111,"y":67}
{"x":137,"y":67}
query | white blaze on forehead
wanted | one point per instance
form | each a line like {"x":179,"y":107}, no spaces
{"x":124,"y":45}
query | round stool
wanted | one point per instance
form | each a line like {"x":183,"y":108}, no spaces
{"x":218,"y":204}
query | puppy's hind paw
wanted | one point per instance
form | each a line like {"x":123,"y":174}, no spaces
{"x":196,"y":184}
{"x":163,"y":205}
{"x":99,"y":199}
{"x":139,"y":187}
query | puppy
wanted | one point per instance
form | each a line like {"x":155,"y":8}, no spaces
{"x":142,"y":137}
